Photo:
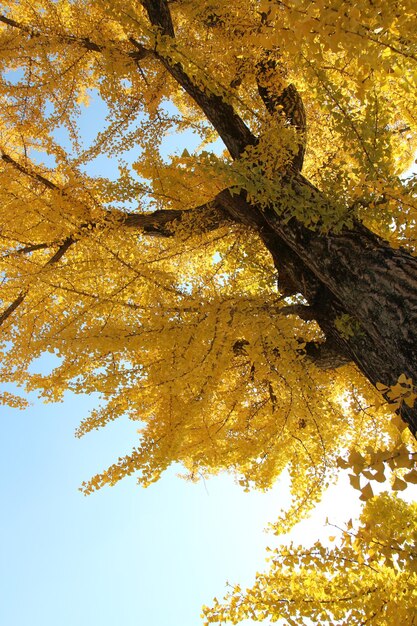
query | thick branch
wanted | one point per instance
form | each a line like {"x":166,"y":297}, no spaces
{"x":21,"y":297}
{"x":157,"y":223}
{"x":286,"y":101}
{"x":61,"y":251}
{"x":28,"y":249}
{"x":9,"y":22}
{"x":160,"y":15}
{"x":85,"y":42}
{"x":233,"y":131}
{"x":31,"y":174}
{"x":12,"y":307}
{"x":213,"y":214}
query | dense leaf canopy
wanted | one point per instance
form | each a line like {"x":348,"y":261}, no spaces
{"x":149,"y":285}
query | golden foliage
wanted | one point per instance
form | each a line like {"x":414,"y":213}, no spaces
{"x":187,"y":333}
{"x":370,"y":577}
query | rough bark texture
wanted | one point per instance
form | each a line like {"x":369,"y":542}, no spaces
{"x":354,"y":273}
{"x":358,"y":274}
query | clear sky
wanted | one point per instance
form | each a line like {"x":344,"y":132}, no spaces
{"x":123,"y":556}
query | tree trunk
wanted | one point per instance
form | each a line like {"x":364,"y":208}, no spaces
{"x":353,"y":273}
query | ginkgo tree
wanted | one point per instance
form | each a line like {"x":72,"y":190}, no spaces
{"x":369,"y":578}
{"x":241,"y":303}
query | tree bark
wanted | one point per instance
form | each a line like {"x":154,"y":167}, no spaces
{"x":354,"y":273}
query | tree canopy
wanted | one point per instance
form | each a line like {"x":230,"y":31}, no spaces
{"x":251,"y":300}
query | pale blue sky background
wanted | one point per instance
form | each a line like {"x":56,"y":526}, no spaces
{"x":123,"y":556}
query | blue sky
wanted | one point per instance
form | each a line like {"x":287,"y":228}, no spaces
{"x":125,"y":555}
